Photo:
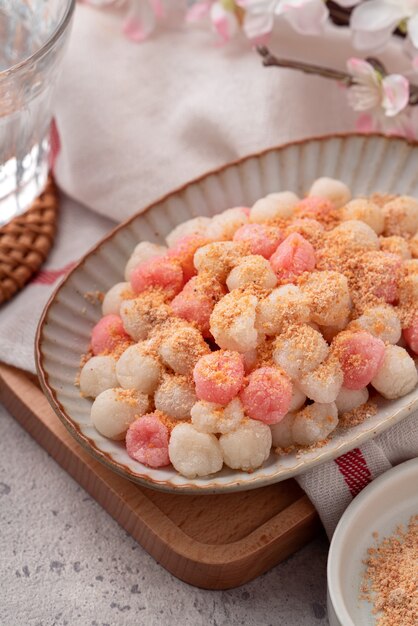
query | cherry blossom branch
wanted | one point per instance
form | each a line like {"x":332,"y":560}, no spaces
{"x":269,"y":60}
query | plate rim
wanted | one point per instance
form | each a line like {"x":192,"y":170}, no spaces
{"x":192,"y":488}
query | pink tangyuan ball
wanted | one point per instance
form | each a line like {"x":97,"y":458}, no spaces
{"x":108,"y":334}
{"x":196,"y":301}
{"x":267,"y":395}
{"x":261,"y":239}
{"x":294,"y":256}
{"x":360,"y":355}
{"x":147,"y":441}
{"x":219,"y":376}
{"x":161,"y":272}
{"x":184,"y":251}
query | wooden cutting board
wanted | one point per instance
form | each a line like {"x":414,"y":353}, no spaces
{"x":213,"y":541}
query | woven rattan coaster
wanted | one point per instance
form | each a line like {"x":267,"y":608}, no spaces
{"x":26,"y":241}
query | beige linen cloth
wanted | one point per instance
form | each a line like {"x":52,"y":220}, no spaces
{"x":137,"y":120}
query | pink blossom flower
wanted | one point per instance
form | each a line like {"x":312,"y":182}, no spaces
{"x":142,"y":15}
{"x":222,"y":13}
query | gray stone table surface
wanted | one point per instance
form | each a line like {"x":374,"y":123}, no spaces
{"x":65,"y":562}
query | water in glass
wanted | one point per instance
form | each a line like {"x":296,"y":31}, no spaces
{"x":32,"y":38}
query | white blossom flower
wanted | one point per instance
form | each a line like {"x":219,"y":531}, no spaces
{"x":372,"y":23}
{"x":382,"y":100}
{"x":372,"y":91}
{"x":307,"y":17}
{"x":142,"y":18}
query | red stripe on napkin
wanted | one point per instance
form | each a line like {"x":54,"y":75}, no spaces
{"x":48,"y":277}
{"x":353,"y":467}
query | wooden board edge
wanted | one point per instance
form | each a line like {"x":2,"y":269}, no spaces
{"x":219,"y":567}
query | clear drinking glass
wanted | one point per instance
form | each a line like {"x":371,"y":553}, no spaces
{"x":33,"y":34}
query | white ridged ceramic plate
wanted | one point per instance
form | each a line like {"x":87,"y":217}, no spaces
{"x":365,"y":163}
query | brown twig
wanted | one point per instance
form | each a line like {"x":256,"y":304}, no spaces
{"x":269,"y":60}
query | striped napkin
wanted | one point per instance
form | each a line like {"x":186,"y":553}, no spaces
{"x":332,"y":485}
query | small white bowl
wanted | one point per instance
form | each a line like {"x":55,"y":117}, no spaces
{"x":388,"y":501}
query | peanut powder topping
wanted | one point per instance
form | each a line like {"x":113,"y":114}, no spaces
{"x":395,"y":245}
{"x":310,"y":229}
{"x":359,"y":415}
{"x":151,"y":306}
{"x":128,"y":396}
{"x":169,"y":422}
{"x":390,"y":582}
{"x":94,"y":296}
{"x":236,"y":303}
{"x":118,"y":350}
{"x":381,"y":198}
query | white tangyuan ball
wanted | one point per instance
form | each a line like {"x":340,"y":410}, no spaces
{"x":136,"y":324}
{"x":366,"y":211}
{"x":193,"y":453}
{"x":355,"y":235}
{"x":97,"y":375}
{"x":143,"y":252}
{"x":331,"y":188}
{"x":314,"y":423}
{"x":217,"y":258}
{"x":225,"y":224}
{"x":380,"y":321}
{"x":232,"y":322}
{"x":195,"y":226}
{"x":329,"y":297}
{"x":114,"y":410}
{"x":397,"y":375}
{"x":350,"y":399}
{"x":209,"y":417}
{"x":175,"y":397}
{"x":401,"y":216}
{"x":114,"y":298}
{"x":252,"y":270}
{"x":281,"y":433}
{"x":324,"y":383}
{"x":299,"y":350}
{"x":247,"y":447}
{"x":140,"y":317}
{"x":138,"y":370}
{"x":274,"y":206}
{"x":297,"y":400}
{"x":396,"y":245}
{"x":181,"y":348}
{"x":283,"y":305}
{"x":408,"y":289}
